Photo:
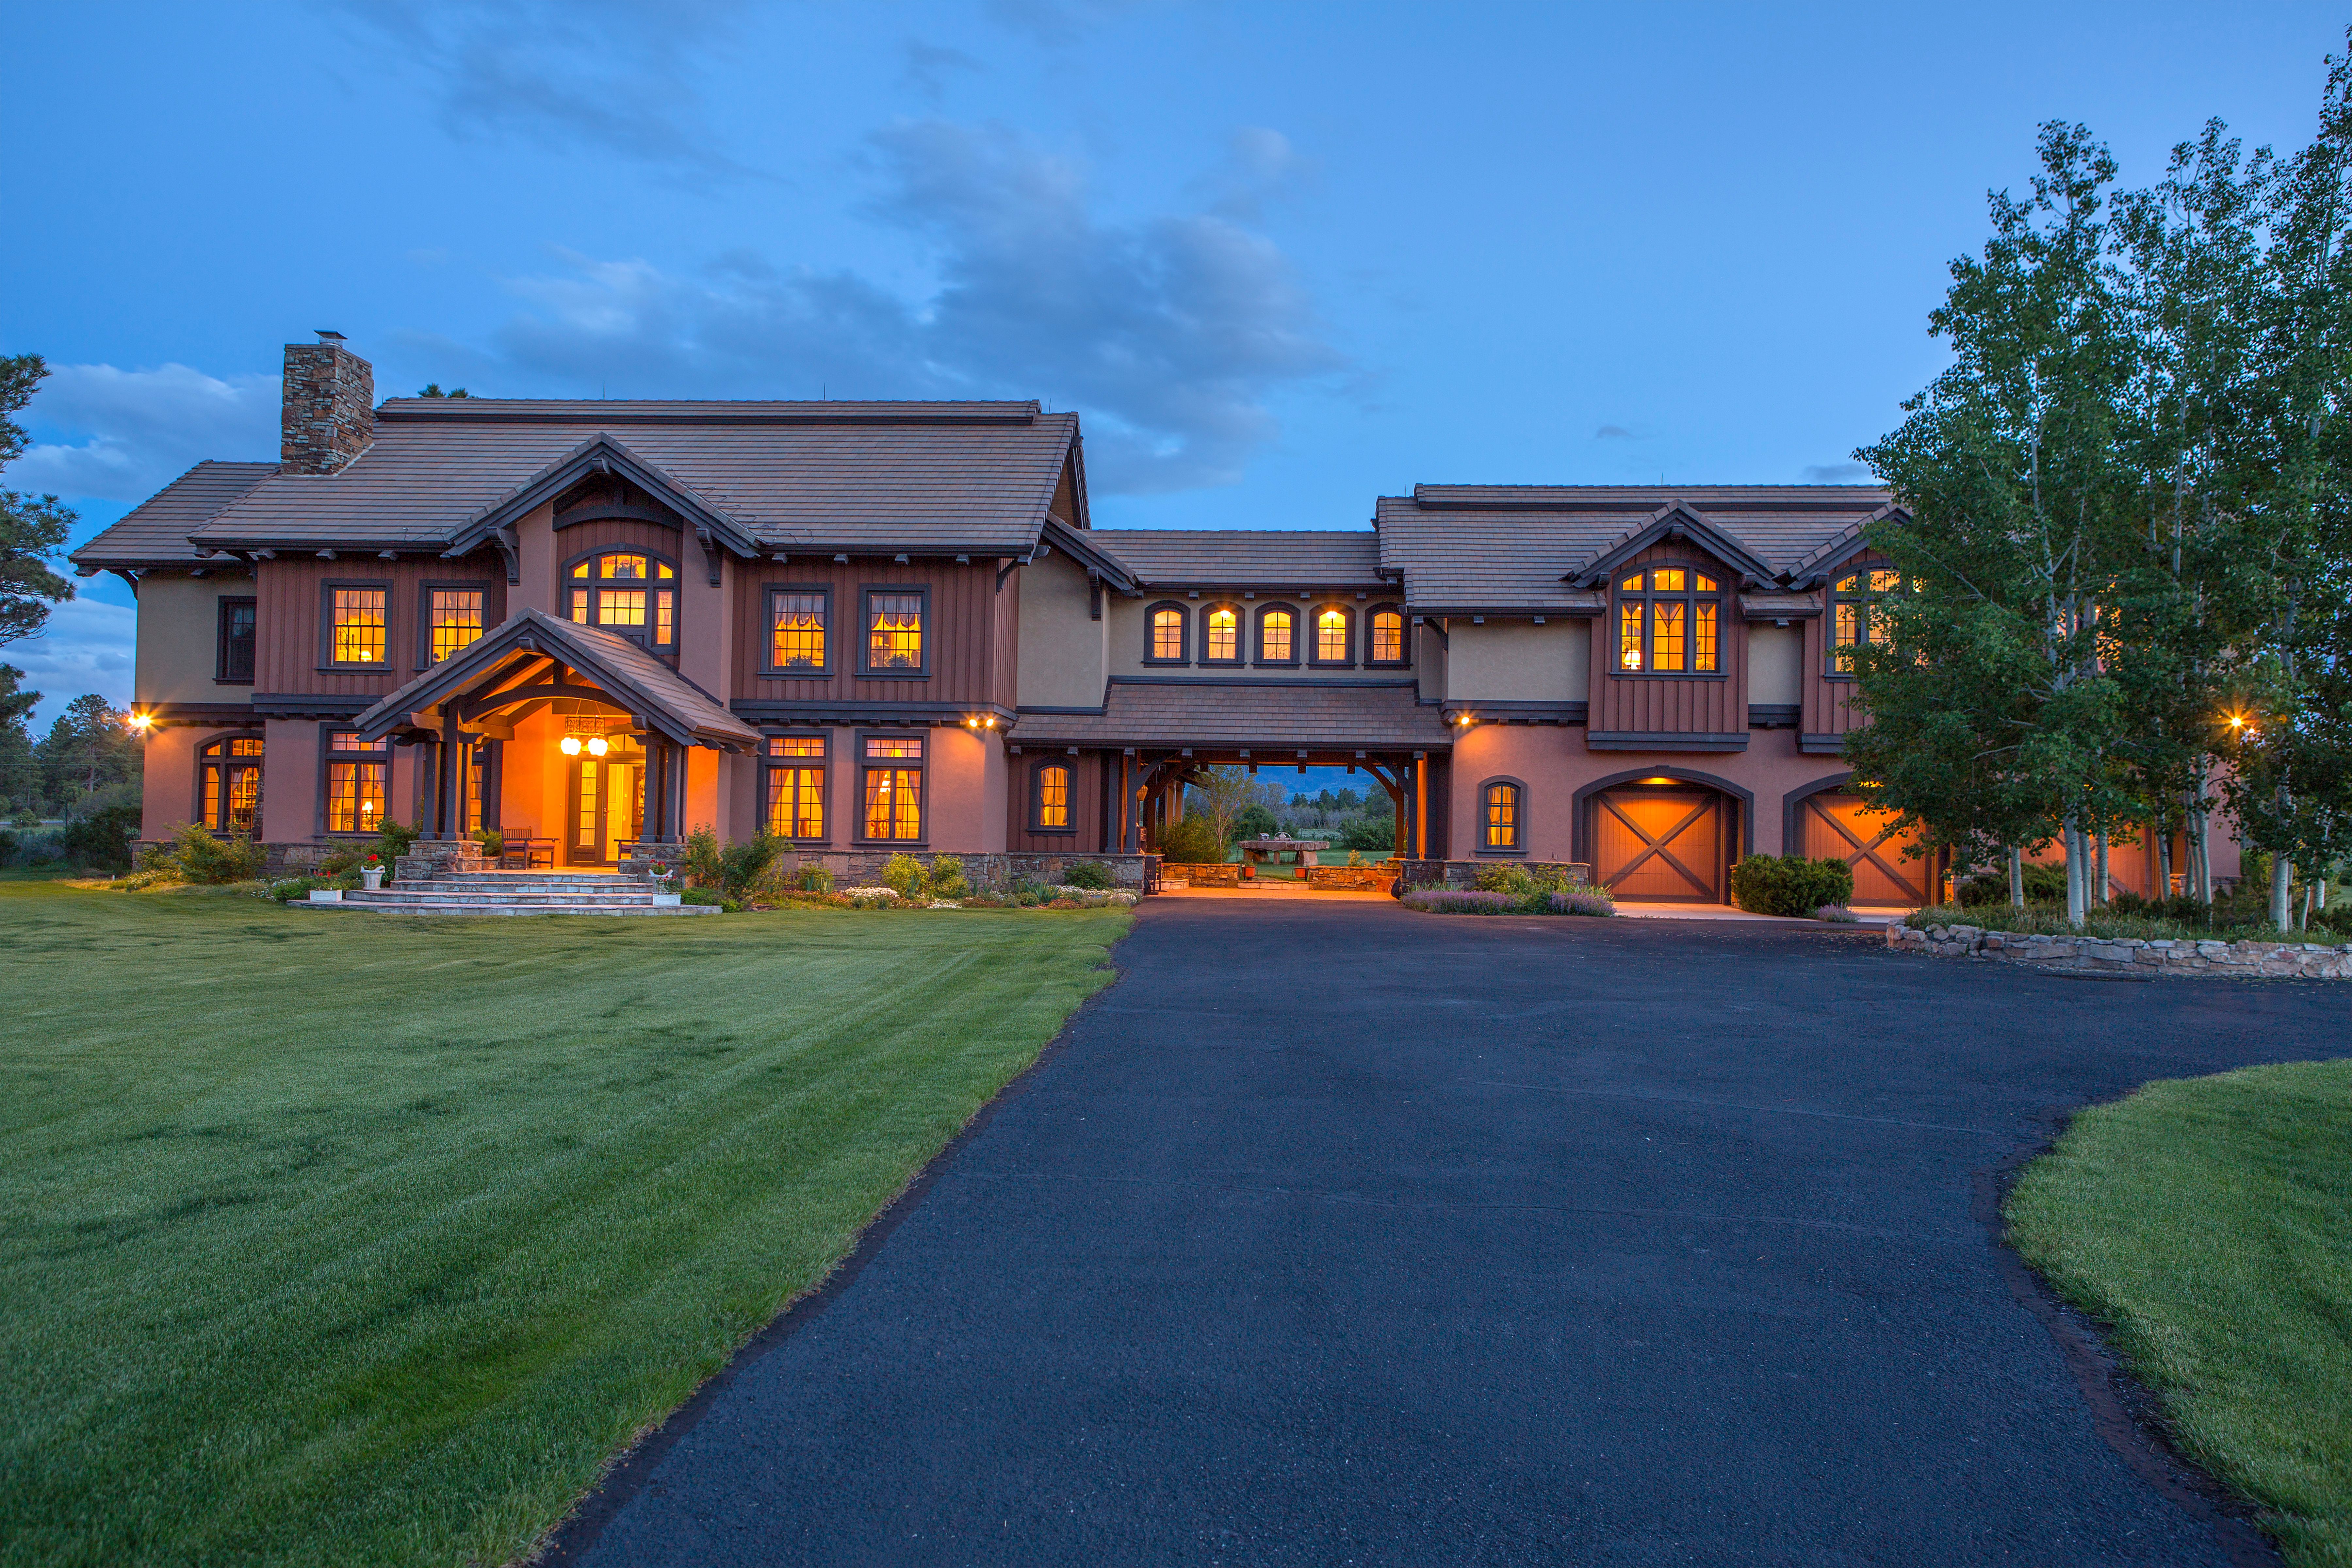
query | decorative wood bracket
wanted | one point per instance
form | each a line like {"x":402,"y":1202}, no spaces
{"x":511,"y":549}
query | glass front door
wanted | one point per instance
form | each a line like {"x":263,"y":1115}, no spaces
{"x":608,"y":804}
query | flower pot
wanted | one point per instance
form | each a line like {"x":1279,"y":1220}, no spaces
{"x":372,"y":877}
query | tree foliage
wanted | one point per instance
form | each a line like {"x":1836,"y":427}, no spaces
{"x":32,"y":529}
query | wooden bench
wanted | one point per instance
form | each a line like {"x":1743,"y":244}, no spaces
{"x":519,"y":850}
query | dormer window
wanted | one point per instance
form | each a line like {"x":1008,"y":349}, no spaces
{"x":1855,"y":617}
{"x":628,"y":593}
{"x":1668,"y":622}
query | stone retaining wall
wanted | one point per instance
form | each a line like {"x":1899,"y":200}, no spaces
{"x":863,"y":868}
{"x":1350,"y":879}
{"x":2259,"y":960}
{"x":1203,"y":874}
{"x":1420,"y":874}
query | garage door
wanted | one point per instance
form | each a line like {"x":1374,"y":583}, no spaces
{"x":1834,"y":826}
{"x":1662,"y":844}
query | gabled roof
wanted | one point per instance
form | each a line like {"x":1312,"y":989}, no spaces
{"x":601,"y":454}
{"x":1289,"y":559}
{"x":1674,"y":520}
{"x":1514,"y":548}
{"x":671,"y":704}
{"x":156,"y":532}
{"x":861,"y":477}
{"x":1272,"y":715}
{"x":1815,"y":568}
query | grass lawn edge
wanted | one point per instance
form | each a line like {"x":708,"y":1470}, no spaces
{"x":630,"y":1466}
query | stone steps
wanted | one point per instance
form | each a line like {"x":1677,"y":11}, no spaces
{"x":517,"y":893}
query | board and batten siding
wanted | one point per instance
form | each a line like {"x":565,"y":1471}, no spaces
{"x":1829,"y":699}
{"x":1088,"y":805}
{"x":1672,"y":704}
{"x":291,"y":600}
{"x":960,"y":638}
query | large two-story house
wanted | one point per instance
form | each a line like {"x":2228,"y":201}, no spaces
{"x":872,"y":627}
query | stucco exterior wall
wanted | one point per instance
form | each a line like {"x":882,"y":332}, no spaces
{"x":1061,"y":653}
{"x":289,"y":781}
{"x":178,"y":638}
{"x":1776,"y":664}
{"x":168,"y":791}
{"x":966,"y":786}
{"x":1517,"y":661}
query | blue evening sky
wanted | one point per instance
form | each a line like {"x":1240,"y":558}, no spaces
{"x":1282,"y":257}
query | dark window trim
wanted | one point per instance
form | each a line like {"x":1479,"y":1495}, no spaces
{"x":864,"y":635}
{"x":1241,"y":635}
{"x":196,"y":803}
{"x":823,"y":766}
{"x":1315,"y":636}
{"x":327,"y":660}
{"x":1036,"y":801}
{"x":1478,"y":825}
{"x":1723,"y":619}
{"x":1151,"y":633}
{"x":1865,"y":561}
{"x":328,"y":756}
{"x":1405,"y":636}
{"x":1258,"y":626}
{"x":481,"y":585}
{"x":768,"y":664}
{"x":564,"y":586}
{"x":858,"y":766}
{"x":220,"y":676}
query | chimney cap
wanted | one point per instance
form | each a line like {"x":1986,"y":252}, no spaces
{"x":328,"y":335}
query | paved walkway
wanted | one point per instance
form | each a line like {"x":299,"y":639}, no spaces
{"x":1337,"y":1234}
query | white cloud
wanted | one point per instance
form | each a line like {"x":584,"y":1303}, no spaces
{"x":1838,"y":474}
{"x":89,"y":645}
{"x":130,"y":432}
{"x":1169,"y":334}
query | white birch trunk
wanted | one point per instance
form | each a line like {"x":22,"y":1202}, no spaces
{"x":2282,"y":911}
{"x":2075,"y":887}
{"x":2016,"y":877}
{"x":2100,"y":899}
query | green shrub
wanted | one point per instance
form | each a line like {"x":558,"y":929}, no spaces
{"x":493,"y":842}
{"x":702,"y":865}
{"x":393,"y":841}
{"x":815,"y":879}
{"x":1506,"y":878}
{"x":1087,"y":874}
{"x":1789,"y":884}
{"x":294,"y":890}
{"x":102,"y":839}
{"x":341,"y":863}
{"x":905,"y":876}
{"x":708,"y":896}
{"x":199,"y":857}
{"x":2045,"y":883}
{"x":1254,"y":822}
{"x":1369,"y":833}
{"x":742,"y":865}
{"x":1192,"y":841}
{"x":948,"y":879}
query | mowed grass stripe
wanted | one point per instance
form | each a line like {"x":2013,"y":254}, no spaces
{"x":375,"y":1245}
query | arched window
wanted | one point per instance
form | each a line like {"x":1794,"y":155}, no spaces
{"x":1221,"y":635}
{"x":629,"y":593}
{"x":1501,"y":816}
{"x":1855,"y":615}
{"x":1278,"y":627}
{"x":1384,"y":643}
{"x":1668,"y":622}
{"x":229,"y":777}
{"x":1335,"y":634}
{"x":1049,"y":798}
{"x":1169,"y":630}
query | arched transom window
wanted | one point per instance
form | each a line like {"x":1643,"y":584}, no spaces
{"x":1387,"y":638}
{"x":1334,"y":643}
{"x":1855,"y":615}
{"x":1221,"y":636}
{"x":1168,"y":633}
{"x":231,"y":781}
{"x":1275,"y":646}
{"x":1668,"y":622}
{"x":628,"y":593}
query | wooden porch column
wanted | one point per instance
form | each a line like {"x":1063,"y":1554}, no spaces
{"x":1421,"y":808}
{"x":445,"y":796}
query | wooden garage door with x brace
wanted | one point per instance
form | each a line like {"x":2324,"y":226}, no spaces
{"x":1660,"y":845}
{"x":1833,"y":826}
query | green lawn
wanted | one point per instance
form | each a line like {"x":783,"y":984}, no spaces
{"x":334,"y":1239}
{"x":2210,"y":1222}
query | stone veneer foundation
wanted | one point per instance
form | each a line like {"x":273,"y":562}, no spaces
{"x":2252,"y":960}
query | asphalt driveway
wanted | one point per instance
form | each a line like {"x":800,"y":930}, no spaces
{"x":1343,"y":1235}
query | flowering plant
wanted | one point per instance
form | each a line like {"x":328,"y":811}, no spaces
{"x":372,"y":859}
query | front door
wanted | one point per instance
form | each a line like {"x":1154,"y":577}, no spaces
{"x":1660,"y":845}
{"x":608,"y":806}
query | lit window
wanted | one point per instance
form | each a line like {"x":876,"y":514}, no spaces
{"x":799,"y":630}
{"x":1054,"y":796}
{"x":894,"y":790}
{"x":457,"y":617}
{"x":1274,"y":637}
{"x":1168,"y":634}
{"x":1388,"y":637}
{"x":645,"y":615}
{"x":230,"y":779}
{"x":796,"y":786}
{"x":1498,"y":816}
{"x":355,"y":785}
{"x":359,"y":626}
{"x":1668,"y":622}
{"x":1331,"y":635}
{"x":1221,"y":644}
{"x":1855,"y":617}
{"x":894,"y":631}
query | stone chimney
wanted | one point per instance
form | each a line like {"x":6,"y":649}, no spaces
{"x":329,"y":417}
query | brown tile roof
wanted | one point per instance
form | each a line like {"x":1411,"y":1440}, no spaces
{"x":860,"y":477}
{"x":1513,"y":546}
{"x":1242,"y":557}
{"x":156,"y":532}
{"x":1273,"y":715}
{"x":636,"y":679}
